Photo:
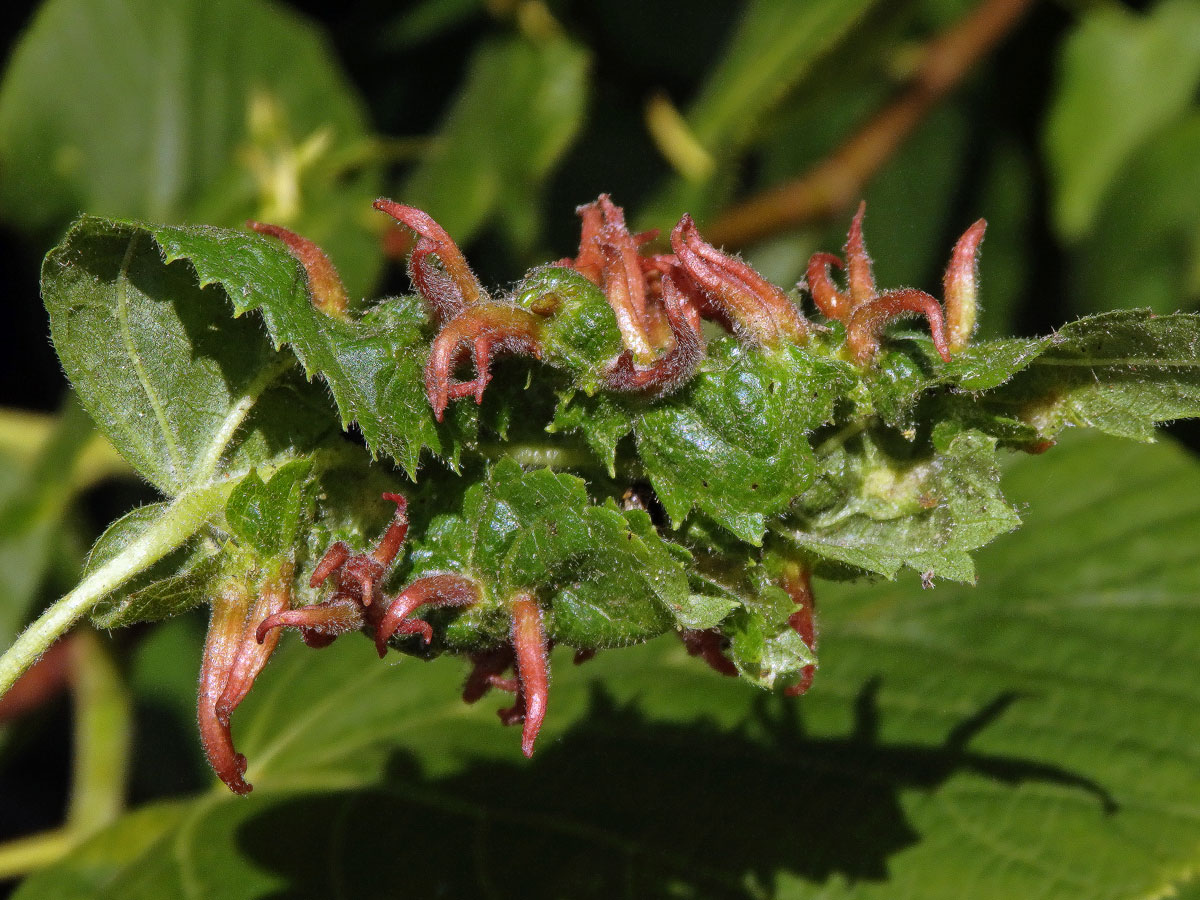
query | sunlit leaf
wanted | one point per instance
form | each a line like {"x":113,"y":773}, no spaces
{"x":1029,"y":771}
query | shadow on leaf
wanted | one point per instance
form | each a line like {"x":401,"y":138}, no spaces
{"x":626,"y":806}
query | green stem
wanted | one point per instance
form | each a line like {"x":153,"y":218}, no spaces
{"x":182,"y":519}
{"x":545,"y":455}
{"x":24,"y":855}
{"x":843,"y":434}
{"x":103,"y":734}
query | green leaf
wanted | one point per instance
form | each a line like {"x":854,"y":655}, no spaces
{"x":190,"y":397}
{"x":582,"y":335}
{"x":1122,"y":77}
{"x":908,"y":368}
{"x":373,"y":365}
{"x":428,"y":19}
{"x":1032,"y":736}
{"x":539,"y":532}
{"x":179,"y":581}
{"x":734,"y":443}
{"x":602,"y":420}
{"x":1121,"y":372}
{"x":883,"y":504}
{"x":183,"y":392}
{"x":197,"y":110}
{"x":520,"y":106}
{"x":264,"y":524}
{"x":765,"y":648}
{"x":267,"y":516}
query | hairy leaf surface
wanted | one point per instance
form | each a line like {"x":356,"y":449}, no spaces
{"x":609,"y":578}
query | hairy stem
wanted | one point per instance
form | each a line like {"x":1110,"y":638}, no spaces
{"x":182,"y":519}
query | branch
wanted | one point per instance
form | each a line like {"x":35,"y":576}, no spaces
{"x":182,"y":519}
{"x":837,"y":182}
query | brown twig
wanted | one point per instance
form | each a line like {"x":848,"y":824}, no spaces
{"x":837,"y":181}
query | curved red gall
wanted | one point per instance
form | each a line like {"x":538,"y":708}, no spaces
{"x":533,"y":668}
{"x":449,"y":290}
{"x":485,"y":330}
{"x":867,"y":322}
{"x":433,"y":591}
{"x":673,"y":369}
{"x":757,"y":308}
{"x":832,"y":303}
{"x":859,"y":275}
{"x":324,"y":283}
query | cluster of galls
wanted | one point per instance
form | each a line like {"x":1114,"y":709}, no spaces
{"x":660,"y":299}
{"x":659,"y":302}
{"x":242,"y":636}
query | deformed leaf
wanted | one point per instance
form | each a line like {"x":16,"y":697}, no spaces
{"x":602,"y":420}
{"x":581,"y":334}
{"x":734,"y":443}
{"x":909,"y":367}
{"x":883,"y":504}
{"x":267,"y":516}
{"x":610,"y":579}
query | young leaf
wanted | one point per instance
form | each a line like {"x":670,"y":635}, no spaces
{"x":766,"y":649}
{"x":266,"y":516}
{"x":883,"y":505}
{"x":540,"y":531}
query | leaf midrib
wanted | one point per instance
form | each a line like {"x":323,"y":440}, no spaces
{"x":136,"y":358}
